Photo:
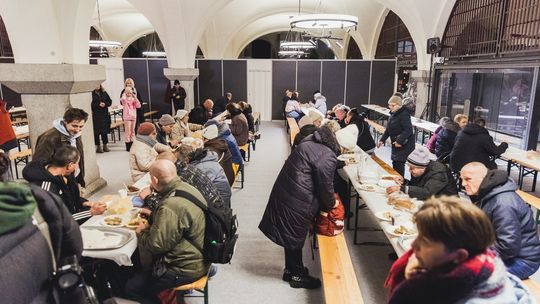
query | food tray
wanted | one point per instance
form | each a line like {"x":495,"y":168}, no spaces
{"x":104,"y":238}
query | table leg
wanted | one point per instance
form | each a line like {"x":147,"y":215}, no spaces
{"x":349,"y":186}
{"x":534,"y":181}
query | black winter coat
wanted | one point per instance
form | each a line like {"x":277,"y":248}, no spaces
{"x":304,"y":132}
{"x":400,"y":130}
{"x":365,"y":140}
{"x":303,"y":187}
{"x":100,"y":115}
{"x":199,"y":115}
{"x":474,"y":144}
{"x":445,"y":139}
{"x":516,"y":235}
{"x":436,"y":180}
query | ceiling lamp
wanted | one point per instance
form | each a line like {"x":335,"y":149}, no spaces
{"x":103,"y":43}
{"x":297,"y":45}
{"x":291,"y":53}
{"x":154,"y":54}
{"x":324,"y":21}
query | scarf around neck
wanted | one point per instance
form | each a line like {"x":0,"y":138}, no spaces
{"x":147,"y":140}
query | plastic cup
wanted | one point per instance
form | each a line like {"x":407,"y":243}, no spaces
{"x":122,"y":193}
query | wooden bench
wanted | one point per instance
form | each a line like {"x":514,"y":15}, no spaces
{"x":534,"y":288}
{"x":338,"y":276}
{"x":237,"y":173}
{"x":201,"y":285}
{"x":23,"y":138}
{"x":17,"y":158}
{"x":116,"y":126}
{"x":293,"y":128}
{"x":150,"y":114}
{"x":379,"y":129}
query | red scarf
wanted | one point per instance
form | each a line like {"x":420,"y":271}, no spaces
{"x":447,"y":284}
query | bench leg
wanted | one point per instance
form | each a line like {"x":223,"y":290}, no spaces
{"x":206,"y":296}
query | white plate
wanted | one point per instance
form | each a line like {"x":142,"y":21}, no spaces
{"x":390,"y":230}
{"x":380,"y":215}
{"x":405,"y":243}
{"x":344,"y":157}
{"x":104,"y":222}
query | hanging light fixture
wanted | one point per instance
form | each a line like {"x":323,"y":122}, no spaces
{"x":103,"y":43}
{"x":294,"y":45}
{"x":154,"y":49}
{"x":323,"y":21}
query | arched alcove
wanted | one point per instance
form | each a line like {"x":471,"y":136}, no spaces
{"x":353,"y":51}
{"x":5,"y":45}
{"x":150,"y":42}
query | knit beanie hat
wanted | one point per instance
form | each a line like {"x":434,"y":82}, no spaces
{"x":180,"y":114}
{"x":395,"y":100}
{"x":17,"y":205}
{"x":347,"y":137}
{"x":304,"y":121}
{"x":315,"y":115}
{"x":419,"y":157}
{"x":166,"y":120}
{"x":210,"y":132}
{"x":146,"y":128}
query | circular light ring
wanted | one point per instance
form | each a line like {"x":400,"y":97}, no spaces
{"x":154,"y":54}
{"x":327,"y":21}
{"x":291,"y":53}
{"x":104,"y":43}
{"x":297,"y":45}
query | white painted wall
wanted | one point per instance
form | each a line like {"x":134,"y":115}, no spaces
{"x":259,"y":87}
{"x":114,"y":82}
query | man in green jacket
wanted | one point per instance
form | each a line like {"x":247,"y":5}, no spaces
{"x":427,"y":177}
{"x":174,"y":238}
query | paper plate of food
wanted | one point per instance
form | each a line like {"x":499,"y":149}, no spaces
{"x":351,"y":158}
{"x":134,"y":223}
{"x":401,"y":230}
{"x":112,"y":221}
{"x":385,"y":215}
{"x":132,"y":190}
{"x":371,"y":188}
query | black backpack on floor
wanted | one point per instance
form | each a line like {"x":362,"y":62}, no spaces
{"x":220,"y":233}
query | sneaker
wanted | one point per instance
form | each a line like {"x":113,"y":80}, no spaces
{"x":212,"y":271}
{"x":286,"y":275}
{"x":304,"y":280}
{"x":105,"y":148}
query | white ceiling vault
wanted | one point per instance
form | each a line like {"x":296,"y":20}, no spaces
{"x":222,"y":28}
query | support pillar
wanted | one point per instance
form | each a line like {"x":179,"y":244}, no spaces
{"x":420,"y":79}
{"x":46,"y":91}
{"x":186,"y":77}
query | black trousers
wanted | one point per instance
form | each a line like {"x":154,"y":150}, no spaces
{"x":399,"y":166}
{"x":144,"y":288}
{"x":293,"y":259}
{"x":104,"y":137}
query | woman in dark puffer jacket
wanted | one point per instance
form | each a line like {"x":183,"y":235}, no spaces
{"x":303,"y":188}
{"x":365,"y":140}
{"x":445,"y":139}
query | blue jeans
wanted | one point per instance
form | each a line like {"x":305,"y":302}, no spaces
{"x":294,"y":114}
{"x":520,"y":268}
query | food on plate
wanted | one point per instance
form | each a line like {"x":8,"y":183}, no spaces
{"x":387,"y":215}
{"x":404,"y":230}
{"x":404,"y":204}
{"x":367,"y":187}
{"x":132,"y":189}
{"x":134,"y":223}
{"x":352,"y":160}
{"x":388,"y":177}
{"x":113,"y":221}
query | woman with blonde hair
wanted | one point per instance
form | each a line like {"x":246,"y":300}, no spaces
{"x":130,"y":103}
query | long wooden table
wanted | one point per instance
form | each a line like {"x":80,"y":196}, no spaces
{"x":518,"y":158}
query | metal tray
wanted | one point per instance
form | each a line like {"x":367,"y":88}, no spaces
{"x":123,"y":237}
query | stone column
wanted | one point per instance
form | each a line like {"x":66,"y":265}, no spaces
{"x":46,"y":91}
{"x":186,"y":77}
{"x":420,"y":79}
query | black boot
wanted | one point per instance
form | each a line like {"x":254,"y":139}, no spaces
{"x":287,"y":274}
{"x":128,"y":145}
{"x":301,"y":279}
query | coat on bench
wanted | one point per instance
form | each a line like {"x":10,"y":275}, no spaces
{"x":304,"y":186}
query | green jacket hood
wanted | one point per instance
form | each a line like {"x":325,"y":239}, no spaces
{"x":17,"y":205}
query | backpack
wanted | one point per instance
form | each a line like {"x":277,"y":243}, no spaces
{"x":220,"y":232}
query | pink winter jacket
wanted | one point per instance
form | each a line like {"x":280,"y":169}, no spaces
{"x":130,"y":107}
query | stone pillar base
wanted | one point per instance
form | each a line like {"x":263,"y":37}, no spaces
{"x":93,"y":187}
{"x":186,"y":77}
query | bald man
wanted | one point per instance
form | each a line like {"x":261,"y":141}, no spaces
{"x":202,"y":113}
{"x":175,"y":238}
{"x":517,"y":240}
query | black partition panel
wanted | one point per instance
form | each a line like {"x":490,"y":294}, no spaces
{"x":210,"y":80}
{"x":196,"y":87}
{"x":357,"y":83}
{"x":283,"y":77}
{"x":136,"y":69}
{"x":382,"y":81}
{"x":158,"y":86}
{"x":308,"y":79}
{"x":333,"y":82}
{"x":235,"y":78}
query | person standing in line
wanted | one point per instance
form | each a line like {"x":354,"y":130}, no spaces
{"x":221,"y":104}
{"x":131,"y":104}
{"x":101,"y":118}
{"x":177,"y":97}
{"x":400,"y":132}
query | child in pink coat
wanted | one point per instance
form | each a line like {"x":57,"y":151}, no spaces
{"x":131,"y":104}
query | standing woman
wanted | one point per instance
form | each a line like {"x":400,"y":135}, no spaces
{"x":303,"y":188}
{"x":136,"y":93}
{"x":131,"y":104}
{"x":101,"y":101}
{"x":365,"y":140}
{"x":401,"y":134}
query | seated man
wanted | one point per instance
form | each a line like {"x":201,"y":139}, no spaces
{"x":516,"y":232}
{"x":164,"y":129}
{"x":451,"y":260}
{"x":56,"y":176}
{"x":427,"y":177}
{"x":173,"y":239}
{"x":144,"y":151}
{"x":202,"y":113}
